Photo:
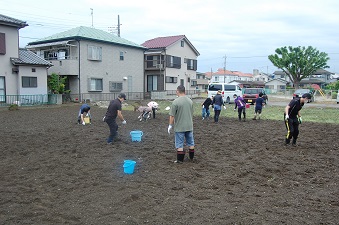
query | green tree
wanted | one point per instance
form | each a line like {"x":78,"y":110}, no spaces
{"x":333,"y":86}
{"x":299,"y":62}
{"x":56,"y":83}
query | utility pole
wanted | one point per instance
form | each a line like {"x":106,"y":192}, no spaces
{"x":225,"y":64}
{"x":119,"y":26}
{"x":92,"y":16}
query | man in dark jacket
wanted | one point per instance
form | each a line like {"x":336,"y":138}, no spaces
{"x":216,"y":104}
{"x":293,"y":118}
{"x":206,"y":107}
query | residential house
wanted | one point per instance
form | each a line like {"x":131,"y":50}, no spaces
{"x":320,"y":77}
{"x":276,"y":85}
{"x":170,"y":61}
{"x":260,"y":76}
{"x":21,"y":71}
{"x":94,"y":61}
{"x":227,"y":76}
{"x":248,"y":84}
{"x":200,"y":82}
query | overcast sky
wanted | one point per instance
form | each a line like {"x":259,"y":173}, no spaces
{"x":238,"y":35}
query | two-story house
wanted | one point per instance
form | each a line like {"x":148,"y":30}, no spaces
{"x":94,"y":61}
{"x":21,"y":71}
{"x":169,"y":62}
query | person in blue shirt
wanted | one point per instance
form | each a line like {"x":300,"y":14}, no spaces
{"x":259,"y":103}
{"x":84,"y":109}
{"x":240,"y":103}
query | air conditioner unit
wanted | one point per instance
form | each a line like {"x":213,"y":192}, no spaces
{"x":158,"y":66}
{"x":15,"y":69}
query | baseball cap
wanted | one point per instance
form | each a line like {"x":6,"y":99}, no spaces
{"x":122,"y":95}
{"x":219,"y":91}
{"x":306,"y":95}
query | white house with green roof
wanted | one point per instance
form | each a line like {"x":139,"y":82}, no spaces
{"x":94,"y":61}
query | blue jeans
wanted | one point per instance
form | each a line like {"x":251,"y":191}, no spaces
{"x":180,"y":139}
{"x":205,"y":112}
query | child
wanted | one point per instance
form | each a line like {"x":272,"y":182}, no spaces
{"x":259,"y":103}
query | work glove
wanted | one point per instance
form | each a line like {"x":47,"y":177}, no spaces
{"x":287,"y":117}
{"x":124,"y":122}
{"x":300,"y":120}
{"x":202,"y":106}
{"x":169,"y":128}
{"x":234,"y":109}
{"x":83,"y":123}
{"x":224,"y":107}
{"x":103,"y":119}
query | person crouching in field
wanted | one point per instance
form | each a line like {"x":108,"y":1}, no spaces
{"x":259,"y":103}
{"x":84,"y":109}
{"x":206,"y":107}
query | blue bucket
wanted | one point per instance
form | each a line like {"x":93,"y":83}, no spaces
{"x":136,"y":135}
{"x":129,"y":166}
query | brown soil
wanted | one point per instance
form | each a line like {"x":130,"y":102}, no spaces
{"x":54,"y":171}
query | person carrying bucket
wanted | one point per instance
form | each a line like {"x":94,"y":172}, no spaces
{"x":181,"y":113}
{"x":84,"y":109}
{"x":240,"y":103}
{"x":114,"y":111}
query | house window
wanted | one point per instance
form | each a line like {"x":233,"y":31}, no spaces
{"x":33,"y":70}
{"x":194,"y":83}
{"x":95,"y":84}
{"x":191,"y":64}
{"x":171,"y":79}
{"x":152,"y":83}
{"x":121,"y":56}
{"x":94,"y":53}
{"x":173,"y":61}
{"x":115,"y":86}
{"x":29,"y":82}
{"x":2,"y":89}
{"x":182,"y":43}
{"x":2,"y":44}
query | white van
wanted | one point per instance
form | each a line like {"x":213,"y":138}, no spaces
{"x":227,"y":91}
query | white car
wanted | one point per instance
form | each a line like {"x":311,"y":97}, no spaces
{"x":338,"y":97}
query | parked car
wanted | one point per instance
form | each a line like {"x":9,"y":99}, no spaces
{"x":338,"y":97}
{"x":227,"y":91}
{"x":251,"y":94}
{"x":299,"y":92}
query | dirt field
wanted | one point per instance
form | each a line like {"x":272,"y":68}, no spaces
{"x":54,"y":171}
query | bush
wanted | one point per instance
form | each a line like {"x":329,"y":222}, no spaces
{"x":13,"y":107}
{"x":334,"y":95}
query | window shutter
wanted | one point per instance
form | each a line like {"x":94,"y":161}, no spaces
{"x":2,"y":44}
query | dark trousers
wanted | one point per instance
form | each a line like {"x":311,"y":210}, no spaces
{"x":113,"y":129}
{"x":216,"y":115}
{"x":243,"y":111}
{"x":292,"y":126}
{"x":153,"y":111}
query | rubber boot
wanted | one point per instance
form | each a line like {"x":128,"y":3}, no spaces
{"x":294,"y":142}
{"x":287,"y":141}
{"x":255,"y":116}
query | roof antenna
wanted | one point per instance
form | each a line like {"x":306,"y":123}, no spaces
{"x":92,"y":16}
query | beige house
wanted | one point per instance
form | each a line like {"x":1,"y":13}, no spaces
{"x":96,"y":63}
{"x":276,"y":85}
{"x":21,"y":71}
{"x":169,"y":62}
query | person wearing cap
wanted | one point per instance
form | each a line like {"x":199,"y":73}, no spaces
{"x":84,"y":109}
{"x":114,"y":111}
{"x":181,"y":115}
{"x":240,"y":103}
{"x":206,"y":107}
{"x":293,"y":118}
{"x":216,"y":105}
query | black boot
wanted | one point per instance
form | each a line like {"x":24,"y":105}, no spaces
{"x":287,"y":141}
{"x":294,"y":142}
